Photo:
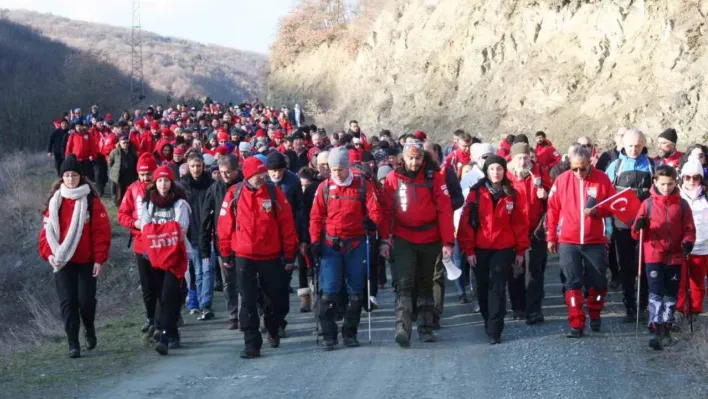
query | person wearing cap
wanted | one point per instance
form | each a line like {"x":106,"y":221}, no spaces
{"x":228,"y":173}
{"x":57,"y":144}
{"x":165,"y":203}
{"x":257,"y":228}
{"x":532,"y":183}
{"x":147,"y":141}
{"x":693,"y":191}
{"x":575,"y":229}
{"x":493,"y":234}
{"x":417,"y":223}
{"x":244,"y":150}
{"x":84,"y":145}
{"x":546,"y":155}
{"x":75,"y":239}
{"x":289,"y":183}
{"x":337,"y":232}
{"x":122,"y":163}
{"x":297,"y":156}
{"x":177,"y":159}
{"x":666,"y":148}
{"x":460,"y":156}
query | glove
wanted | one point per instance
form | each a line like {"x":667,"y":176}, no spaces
{"x":640,"y":224}
{"x":687,"y":248}
{"x":369,"y":225}
{"x":316,"y":250}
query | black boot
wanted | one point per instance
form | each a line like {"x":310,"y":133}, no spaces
{"x":595,"y":325}
{"x":74,"y":351}
{"x":426,"y":307}
{"x":162,"y":346}
{"x":351,"y":322}
{"x":326,"y":314}
{"x":250,"y":353}
{"x":174,"y":341}
{"x":90,"y":334}
{"x":404,"y":322}
{"x":146,"y":327}
{"x":655,"y":341}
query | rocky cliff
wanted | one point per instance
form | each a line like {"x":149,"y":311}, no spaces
{"x":570,"y":68}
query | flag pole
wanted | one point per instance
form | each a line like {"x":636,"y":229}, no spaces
{"x":610,"y":198}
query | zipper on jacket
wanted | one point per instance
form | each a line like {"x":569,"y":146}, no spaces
{"x":582,"y":215}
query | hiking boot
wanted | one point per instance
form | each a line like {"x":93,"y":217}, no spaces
{"x":233,"y":325}
{"x":282,"y":333}
{"x":427,"y":336}
{"x":464,"y":299}
{"x":173,"y":342}
{"x":404,"y":322}
{"x":74,"y":351}
{"x":436,"y":324}
{"x":595,"y":325}
{"x":305,"y":301}
{"x":146,"y":327}
{"x":655,"y":341}
{"x":402,"y":338}
{"x":494,"y":340}
{"x":350,"y":342}
{"x":519,"y":315}
{"x":352,"y":317}
{"x":91,"y":341}
{"x":250,"y":353}
{"x":535,"y":318}
{"x":373,"y":303}
{"x":274,"y":341}
{"x":475,"y":306}
{"x":575,"y":333}
{"x":630,"y":317}
{"x":330,"y":345}
{"x":162,"y":346}
{"x":156,"y":335}
{"x":666,"y":338}
{"x":207,"y":314}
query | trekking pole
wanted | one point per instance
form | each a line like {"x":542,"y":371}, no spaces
{"x":687,"y":298}
{"x":639,"y":278}
{"x":315,"y":295}
{"x":368,"y":283}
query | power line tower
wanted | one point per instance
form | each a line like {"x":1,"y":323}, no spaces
{"x":137,"y":93}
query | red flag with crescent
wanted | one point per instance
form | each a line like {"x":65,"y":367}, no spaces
{"x":623,"y":205}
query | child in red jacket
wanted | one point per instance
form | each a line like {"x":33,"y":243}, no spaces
{"x":665,"y":221}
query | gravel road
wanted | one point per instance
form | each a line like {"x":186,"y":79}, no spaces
{"x":532,"y":362}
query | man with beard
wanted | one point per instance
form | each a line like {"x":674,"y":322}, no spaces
{"x":666,"y":146}
{"x":356,"y":132}
{"x":460,"y":156}
{"x":208,"y":243}
{"x":417,"y":223}
{"x":546,"y":155}
{"x":533,"y":183}
{"x":57,"y":144}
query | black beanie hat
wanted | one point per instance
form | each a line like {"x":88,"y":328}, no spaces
{"x":491,"y":160}
{"x":669,"y":134}
{"x":366,"y":156}
{"x":521,"y":138}
{"x":276,"y":161}
{"x":70,"y":164}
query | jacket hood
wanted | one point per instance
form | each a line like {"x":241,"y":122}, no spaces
{"x":673,"y":198}
{"x":160,"y":156}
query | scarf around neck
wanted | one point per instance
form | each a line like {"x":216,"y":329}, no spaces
{"x":64,"y":251}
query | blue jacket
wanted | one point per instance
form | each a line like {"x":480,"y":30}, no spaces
{"x":635,"y":173}
{"x":292,"y":188}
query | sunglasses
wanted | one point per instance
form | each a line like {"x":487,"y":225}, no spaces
{"x":694,"y":178}
{"x":576,"y":170}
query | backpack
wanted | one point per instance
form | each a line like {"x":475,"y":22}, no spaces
{"x":361,"y":196}
{"x":237,"y":195}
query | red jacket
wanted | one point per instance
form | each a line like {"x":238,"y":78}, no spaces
{"x":547,"y":156}
{"x":527,"y":189}
{"x":95,"y":241}
{"x":423,"y":216}
{"x":128,"y":213}
{"x":107,"y":142}
{"x":672,"y":160}
{"x":669,"y":228}
{"x":456,"y":160}
{"x":254,"y":232}
{"x":566,"y":203}
{"x":504,"y":150}
{"x":84,"y":145}
{"x":134,"y":137}
{"x":343,"y":215}
{"x":147,"y":143}
{"x":501,"y":226}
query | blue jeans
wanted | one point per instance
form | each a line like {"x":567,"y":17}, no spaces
{"x":463,"y":282}
{"x":203,"y":278}
{"x":350,"y":264}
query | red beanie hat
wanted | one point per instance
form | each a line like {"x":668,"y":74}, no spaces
{"x":179,"y":150}
{"x":278,"y":134}
{"x":154,"y":125}
{"x":222,"y":136}
{"x":354,"y":157}
{"x":163,"y":171}
{"x":140,"y":123}
{"x":166,"y":132}
{"x":253,"y":166}
{"x":260,"y":133}
{"x":221,"y":150}
{"x":312,"y":152}
{"x":146,"y":163}
{"x":108,"y":117}
{"x":420,"y":135}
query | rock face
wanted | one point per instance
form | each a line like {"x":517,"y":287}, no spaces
{"x":570,"y":68}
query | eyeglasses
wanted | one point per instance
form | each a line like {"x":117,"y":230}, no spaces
{"x":694,"y":178}
{"x":576,"y":170}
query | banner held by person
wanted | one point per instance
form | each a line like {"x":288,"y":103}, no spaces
{"x":623,"y":205}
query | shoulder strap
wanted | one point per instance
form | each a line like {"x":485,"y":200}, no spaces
{"x":271,"y":192}
{"x":618,"y":168}
{"x":652,"y":167}
{"x":650,"y":202}
{"x":362,"y":193}
{"x":325,"y":192}
{"x":234,"y":203}
{"x":429,"y":174}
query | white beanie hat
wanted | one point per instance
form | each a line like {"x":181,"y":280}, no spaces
{"x":244,"y":146}
{"x":478,"y":150}
{"x":692,"y":168}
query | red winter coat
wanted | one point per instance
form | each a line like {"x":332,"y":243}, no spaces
{"x":456,"y":160}
{"x":501,"y":226}
{"x":527,"y":189}
{"x":566,"y":203}
{"x":256,"y":233}
{"x":669,"y":228}
{"x":147,"y":143}
{"x":672,"y":160}
{"x":95,"y":241}
{"x":84,"y":145}
{"x":134,"y":137}
{"x":107,"y":142}
{"x":426,"y":216}
{"x":343,"y":215}
{"x":547,"y":156}
{"x":128,"y":213}
{"x":504,"y":150}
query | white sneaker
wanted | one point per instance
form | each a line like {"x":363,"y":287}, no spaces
{"x":374,"y":300}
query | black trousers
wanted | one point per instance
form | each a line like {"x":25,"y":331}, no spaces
{"x":231,"y":290}
{"x":148,"y":285}
{"x":100,"y":168}
{"x":628,"y":258}
{"x":57,"y":164}
{"x":491,"y":271}
{"x":517,"y":289}
{"x":535,"y":272}
{"x":76,"y":289}
{"x":168,"y":285}
{"x":87,"y":169}
{"x":268,"y":274}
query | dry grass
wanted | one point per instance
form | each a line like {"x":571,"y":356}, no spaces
{"x":696,"y":355}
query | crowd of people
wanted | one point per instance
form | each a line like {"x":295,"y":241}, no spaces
{"x":237,"y":198}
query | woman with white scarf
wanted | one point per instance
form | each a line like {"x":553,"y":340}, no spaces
{"x":75,"y":240}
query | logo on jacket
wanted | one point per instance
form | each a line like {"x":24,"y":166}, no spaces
{"x":592,"y":192}
{"x":267,"y":205}
{"x":509,"y":207}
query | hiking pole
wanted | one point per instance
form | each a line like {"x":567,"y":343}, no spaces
{"x":315,"y":295}
{"x":368,"y":283}
{"x":687,"y":298}
{"x":639,"y":278}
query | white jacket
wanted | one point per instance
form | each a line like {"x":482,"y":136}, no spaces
{"x":699,"y":207}
{"x":469,"y":179}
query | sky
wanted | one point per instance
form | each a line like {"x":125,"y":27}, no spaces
{"x":241,"y":24}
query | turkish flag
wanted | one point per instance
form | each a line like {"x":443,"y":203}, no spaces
{"x":623,"y":205}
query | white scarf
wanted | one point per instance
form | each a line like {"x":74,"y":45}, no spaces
{"x":63,"y":252}
{"x":346,"y":183}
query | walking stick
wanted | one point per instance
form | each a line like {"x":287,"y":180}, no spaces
{"x":639,"y":278}
{"x":368,"y":283}
{"x":687,"y":298}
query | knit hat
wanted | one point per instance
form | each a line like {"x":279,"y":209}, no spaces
{"x":179,"y":150}
{"x":338,"y":158}
{"x":669,"y":134}
{"x":521,"y":138}
{"x":166,"y":132}
{"x":154,"y":125}
{"x":221,"y":150}
{"x":163,"y":171}
{"x":383,"y":172}
{"x":262,"y":157}
{"x":323,"y":157}
{"x":124,"y":138}
{"x":276,"y":161}
{"x":244,"y":146}
{"x":278,"y":134}
{"x":520,"y":148}
{"x":253,"y":166}
{"x":366,"y":156}
{"x":261,"y":133}
{"x":413,"y":148}
{"x":478,"y":150}
{"x":691,"y":168}
{"x":209,"y":160}
{"x":491,"y":160}
{"x":420,"y":135}
{"x":146,"y":163}
{"x":222,"y":136}
{"x":70,"y":164}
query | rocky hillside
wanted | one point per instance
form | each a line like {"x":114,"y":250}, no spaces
{"x":569,"y":67}
{"x":180,"y":68}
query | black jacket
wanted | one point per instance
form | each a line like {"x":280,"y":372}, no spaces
{"x":57,"y":143}
{"x":212,"y":204}
{"x":606,"y":159}
{"x":296,"y":162}
{"x":454,"y":189}
{"x":196,"y":192}
{"x":308,"y":199}
{"x":290,"y":184}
